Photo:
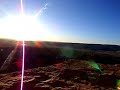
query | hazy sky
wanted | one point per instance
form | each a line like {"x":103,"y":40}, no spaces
{"x":88,"y":21}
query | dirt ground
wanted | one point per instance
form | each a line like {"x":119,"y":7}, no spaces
{"x":67,"y":75}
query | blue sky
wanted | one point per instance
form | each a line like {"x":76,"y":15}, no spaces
{"x":83,"y":21}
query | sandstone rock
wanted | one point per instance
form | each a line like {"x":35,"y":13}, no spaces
{"x":56,"y":83}
{"x":69,"y":74}
{"x":42,"y":87}
{"x":117,"y":74}
{"x":107,"y":81}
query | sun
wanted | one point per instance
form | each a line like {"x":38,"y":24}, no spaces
{"x":23,"y":27}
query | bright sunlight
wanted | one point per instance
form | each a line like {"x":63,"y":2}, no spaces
{"x":23,"y":27}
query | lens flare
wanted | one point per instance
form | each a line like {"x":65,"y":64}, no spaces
{"x":41,"y":10}
{"x":9,"y":59}
{"x":67,"y":52}
{"x":94,"y":65}
{"x":16,"y":27}
{"x":118,"y":84}
{"x":23,"y":58}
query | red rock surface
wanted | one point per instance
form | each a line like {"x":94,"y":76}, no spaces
{"x":69,"y":75}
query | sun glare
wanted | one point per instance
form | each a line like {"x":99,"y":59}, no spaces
{"x":22,"y":28}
